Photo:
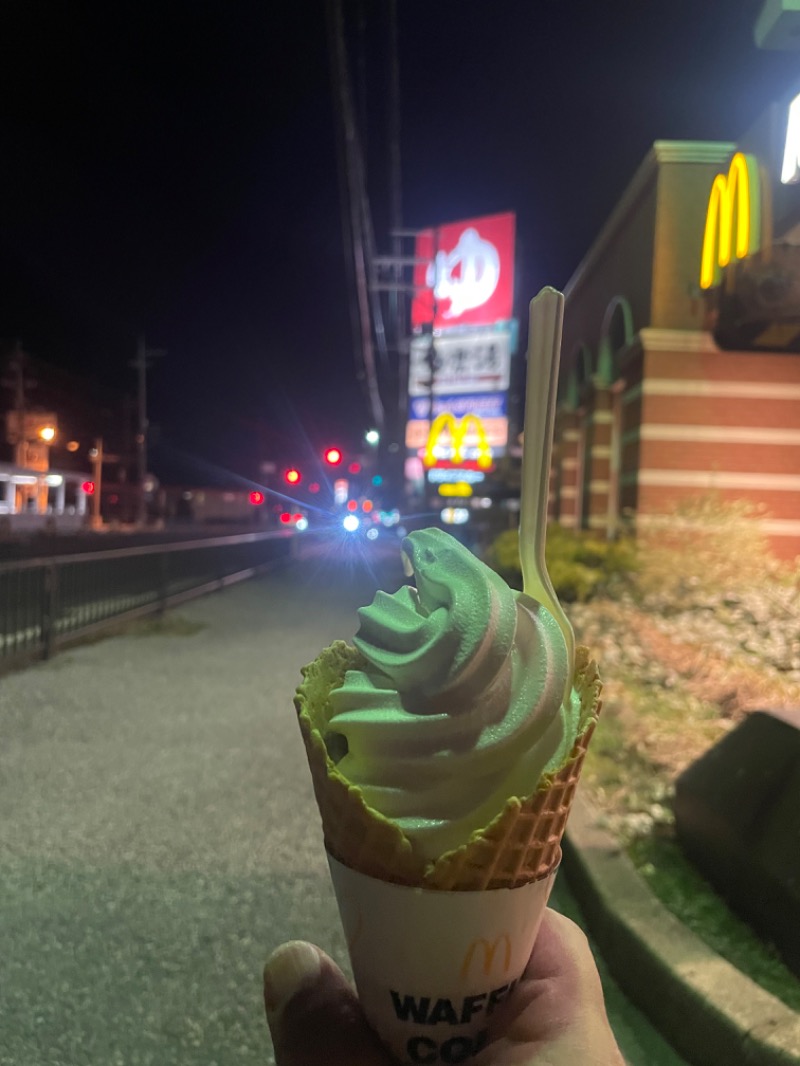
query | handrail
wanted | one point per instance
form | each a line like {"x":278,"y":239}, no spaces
{"x":144,"y":549}
{"x":49,"y":601}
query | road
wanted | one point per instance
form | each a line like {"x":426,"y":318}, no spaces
{"x":158,"y":833}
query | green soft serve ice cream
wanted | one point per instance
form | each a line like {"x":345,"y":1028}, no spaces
{"x":460,"y":703}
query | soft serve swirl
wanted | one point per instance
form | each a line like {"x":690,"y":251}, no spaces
{"x":460,"y":706}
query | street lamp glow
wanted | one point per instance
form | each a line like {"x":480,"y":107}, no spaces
{"x":47,"y":433}
{"x":350,"y":523}
{"x":372,"y":436}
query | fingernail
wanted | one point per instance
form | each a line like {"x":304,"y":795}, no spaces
{"x":287,"y":969}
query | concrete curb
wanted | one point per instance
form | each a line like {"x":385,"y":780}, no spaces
{"x":710,"y":1012}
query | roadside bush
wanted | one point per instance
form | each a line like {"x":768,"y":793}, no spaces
{"x":708,"y":546}
{"x":581,"y":565}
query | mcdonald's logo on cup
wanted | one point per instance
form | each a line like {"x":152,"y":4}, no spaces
{"x":458,"y":430}
{"x":735,"y":198}
{"x":481,"y":949}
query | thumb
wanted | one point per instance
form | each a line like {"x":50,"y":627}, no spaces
{"x":314,"y":1015}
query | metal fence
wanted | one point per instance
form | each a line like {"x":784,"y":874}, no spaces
{"x":48,"y":602}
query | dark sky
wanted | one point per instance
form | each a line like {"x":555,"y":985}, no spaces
{"x":170,"y":168}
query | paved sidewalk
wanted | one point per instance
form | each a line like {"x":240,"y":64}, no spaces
{"x":158,"y":834}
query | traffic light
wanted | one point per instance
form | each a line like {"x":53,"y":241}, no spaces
{"x":88,"y":487}
{"x":333,"y":456}
{"x":292,"y":476}
{"x":256,"y":498}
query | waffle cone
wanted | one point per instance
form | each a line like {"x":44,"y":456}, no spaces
{"x":520,"y":845}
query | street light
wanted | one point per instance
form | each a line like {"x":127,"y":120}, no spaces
{"x":372,"y":436}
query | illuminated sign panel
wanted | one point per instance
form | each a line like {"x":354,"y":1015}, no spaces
{"x":467,"y":277}
{"x":487,"y":406}
{"x":442,"y":476}
{"x":790,"y":172}
{"x":474,"y":362}
{"x":490,"y":409}
{"x":733,"y":218}
{"x":456,"y":442}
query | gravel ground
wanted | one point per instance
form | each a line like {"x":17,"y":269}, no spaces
{"x":158,"y":833}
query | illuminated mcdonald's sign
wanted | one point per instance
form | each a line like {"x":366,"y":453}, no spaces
{"x":735,"y":198}
{"x":458,"y":430}
{"x":790,"y":171}
{"x":487,"y":951}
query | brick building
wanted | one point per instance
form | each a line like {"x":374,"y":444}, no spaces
{"x":652,"y":410}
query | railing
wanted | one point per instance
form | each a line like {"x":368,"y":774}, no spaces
{"x":50,"y":601}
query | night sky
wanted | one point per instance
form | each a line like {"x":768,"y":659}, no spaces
{"x":170,"y":169}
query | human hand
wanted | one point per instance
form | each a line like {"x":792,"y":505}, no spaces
{"x":556,"y":1016}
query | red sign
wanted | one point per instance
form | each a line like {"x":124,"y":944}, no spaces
{"x":469,"y":274}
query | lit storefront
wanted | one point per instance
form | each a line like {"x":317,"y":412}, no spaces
{"x":681,"y":344}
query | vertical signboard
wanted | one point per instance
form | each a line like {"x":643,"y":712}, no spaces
{"x":466,"y":273}
{"x":467,"y":380}
{"x":460,"y":366}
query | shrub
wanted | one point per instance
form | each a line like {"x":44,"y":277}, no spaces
{"x":707,"y":546}
{"x":581,"y":565}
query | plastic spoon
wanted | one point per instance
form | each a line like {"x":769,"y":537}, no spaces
{"x":544,"y":353}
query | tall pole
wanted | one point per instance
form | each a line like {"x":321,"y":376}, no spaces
{"x":397,"y":302}
{"x":354,"y":175}
{"x":140,"y":363}
{"x":141,"y":432}
{"x":97,"y":464}
{"x":18,"y":366}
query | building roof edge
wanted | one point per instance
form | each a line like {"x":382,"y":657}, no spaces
{"x":660,"y":153}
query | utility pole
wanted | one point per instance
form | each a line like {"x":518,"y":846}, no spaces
{"x":96,"y":455}
{"x":144,"y":355}
{"x":355,"y":196}
{"x":398,"y":303}
{"x":397,"y":265}
{"x":19,"y":383}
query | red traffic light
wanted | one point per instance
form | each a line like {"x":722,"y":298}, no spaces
{"x":333,"y":456}
{"x":292,"y":476}
{"x":88,"y":487}
{"x":256,"y":498}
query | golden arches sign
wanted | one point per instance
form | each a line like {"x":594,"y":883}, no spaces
{"x":458,"y":430}
{"x":733,"y":218}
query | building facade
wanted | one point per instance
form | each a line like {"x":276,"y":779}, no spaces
{"x":653,"y":410}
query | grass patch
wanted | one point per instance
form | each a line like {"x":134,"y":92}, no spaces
{"x":693,"y":624}
{"x":681,"y":889}
{"x":613,"y":760}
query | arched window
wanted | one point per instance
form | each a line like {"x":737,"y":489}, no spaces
{"x":583,"y":371}
{"x":616,"y":333}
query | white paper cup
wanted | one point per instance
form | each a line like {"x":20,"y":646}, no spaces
{"x":432,"y":967}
